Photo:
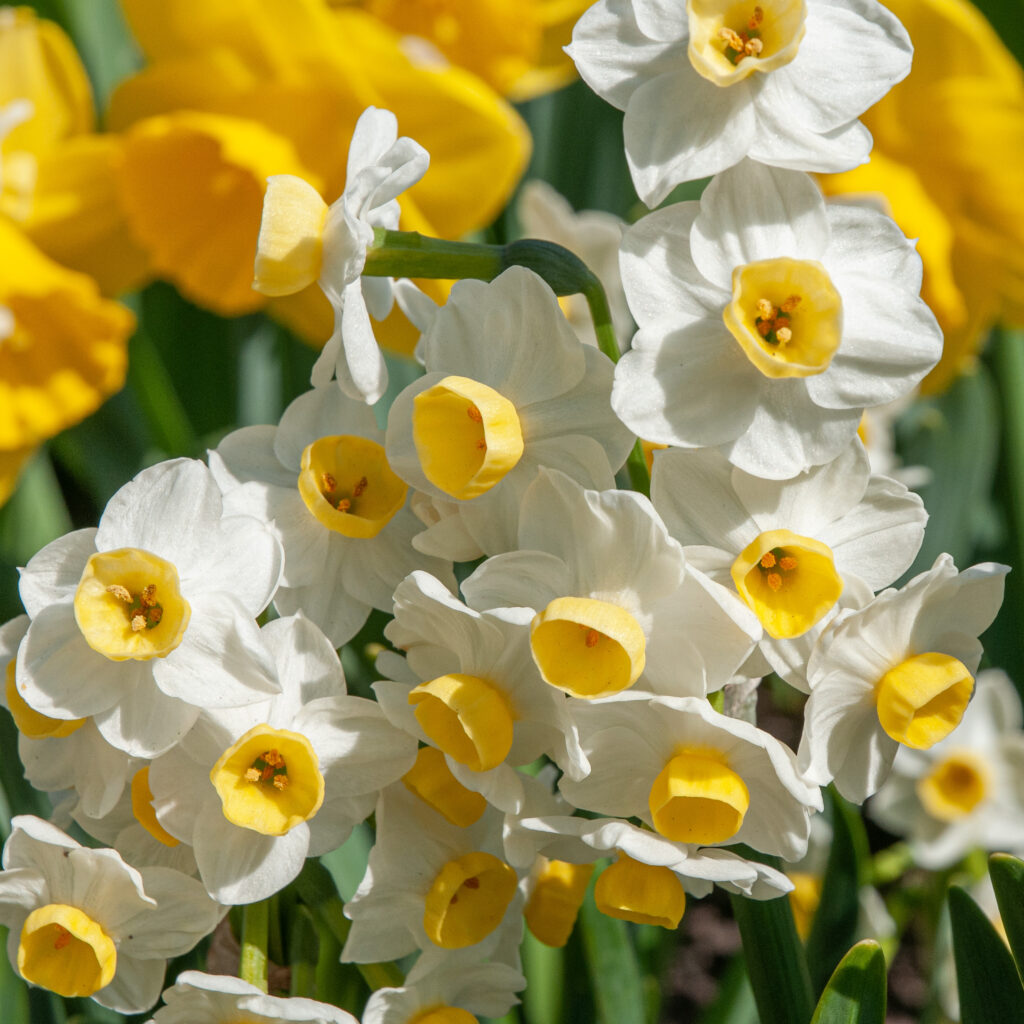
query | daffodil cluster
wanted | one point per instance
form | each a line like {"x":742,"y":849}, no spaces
{"x":555,"y":686}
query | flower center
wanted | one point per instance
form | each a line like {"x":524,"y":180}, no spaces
{"x":30,"y":722}
{"x":128,"y":605}
{"x":789,"y":582}
{"x":786,"y":316}
{"x":469,"y":718}
{"x":63,"y":949}
{"x":467,"y":436}
{"x":955,"y":786}
{"x":641,"y":893}
{"x":142,"y":808}
{"x":558,"y":891}
{"x":922,"y":700}
{"x":467,"y":900}
{"x":698,"y":798}
{"x":432,"y":781}
{"x":444,"y":1015}
{"x":730,"y":40}
{"x":586,"y":647}
{"x":269,"y":780}
{"x":349,"y":487}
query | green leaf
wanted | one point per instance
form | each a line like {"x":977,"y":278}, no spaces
{"x":543,"y":998}
{"x":835,"y":921}
{"x":990,"y":989}
{"x":855,"y":994}
{"x":1008,"y":881}
{"x":775,"y":956}
{"x":612,"y":964}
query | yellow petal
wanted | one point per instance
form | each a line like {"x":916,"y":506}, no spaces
{"x":11,"y":465}
{"x":467,"y":900}
{"x":74,"y":213}
{"x":39,"y":63}
{"x":68,"y":348}
{"x":63,"y":949}
{"x":558,"y":891}
{"x":922,"y":699}
{"x":642,"y":893}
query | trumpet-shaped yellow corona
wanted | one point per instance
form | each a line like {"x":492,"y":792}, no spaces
{"x":786,"y":315}
{"x":443,"y":1015}
{"x":586,"y":647}
{"x":431,"y":780}
{"x":922,"y":699}
{"x":698,"y":798}
{"x":349,"y":487}
{"x":269,"y":781}
{"x":128,"y":605}
{"x":467,"y":436}
{"x":142,"y":808}
{"x":789,"y":582}
{"x":467,"y":900}
{"x":730,"y":40}
{"x":641,"y":893}
{"x":63,"y":949}
{"x":955,"y":786}
{"x":469,"y":718}
{"x":558,"y":891}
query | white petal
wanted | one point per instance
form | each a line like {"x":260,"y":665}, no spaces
{"x":52,"y":575}
{"x":221,"y":662}
{"x":183,"y":915}
{"x":361,"y":372}
{"x":752,"y":212}
{"x":248,"y":454}
{"x":136,"y":985}
{"x":783,"y":142}
{"x":321,"y":412}
{"x":145,"y":722}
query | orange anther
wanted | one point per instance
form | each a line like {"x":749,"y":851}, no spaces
{"x":774,"y":580}
{"x":148,"y":596}
{"x":765,"y":309}
{"x":138,"y":622}
{"x":474,"y":414}
{"x":592,"y":638}
{"x":155,"y":614}
{"x":768,"y":560}
{"x":790,"y":304}
{"x":756,"y":18}
{"x":360,"y":487}
{"x":252,"y":775}
{"x":281,"y":782}
{"x":63,"y":938}
{"x":764,"y":328}
{"x":121,"y":593}
{"x":274,"y":758}
{"x":472,"y":883}
{"x":788,"y":562}
{"x":344,"y":504}
{"x":328,"y":482}
{"x":482,"y":445}
{"x":784,"y":334}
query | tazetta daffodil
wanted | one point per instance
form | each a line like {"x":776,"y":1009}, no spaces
{"x":706,"y":83}
{"x":900,"y":670}
{"x":84,"y":923}
{"x":256,"y":790}
{"x":152,"y":616}
{"x":802,"y":314}
{"x":303,"y":240}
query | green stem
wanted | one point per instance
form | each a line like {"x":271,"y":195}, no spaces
{"x":255,"y":934}
{"x":409,"y":254}
{"x":316,"y":889}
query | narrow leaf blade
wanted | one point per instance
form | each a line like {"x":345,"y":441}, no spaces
{"x":855,"y":994}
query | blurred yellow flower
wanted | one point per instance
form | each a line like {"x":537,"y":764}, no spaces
{"x":299,"y":75}
{"x":63,"y":348}
{"x":58,"y":176}
{"x":949,"y":160}
{"x":513,"y":45}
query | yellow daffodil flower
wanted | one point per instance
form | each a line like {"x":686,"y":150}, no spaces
{"x":949,"y":159}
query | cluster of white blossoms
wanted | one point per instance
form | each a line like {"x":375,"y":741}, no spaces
{"x":561,"y":707}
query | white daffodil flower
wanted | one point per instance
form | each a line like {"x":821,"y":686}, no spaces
{"x":900,"y":671}
{"x":197,"y":998}
{"x":431,"y":884}
{"x":321,"y":482}
{"x":640,"y":888}
{"x":302,"y":240}
{"x":594,"y":236}
{"x":965,"y":792}
{"x":691,"y":774}
{"x":469,"y":687}
{"x":616,"y":603}
{"x":142,"y":622}
{"x":84,"y":923}
{"x":706,"y":83}
{"x":60,"y":754}
{"x":447,"y":987}
{"x":508,"y":389}
{"x":256,"y":790}
{"x":795,"y":550}
{"x":769,"y":321}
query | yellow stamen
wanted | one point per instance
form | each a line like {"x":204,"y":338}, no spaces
{"x":121,"y":593}
{"x":768,"y":560}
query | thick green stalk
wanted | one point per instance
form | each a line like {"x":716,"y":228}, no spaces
{"x":255,"y":935}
